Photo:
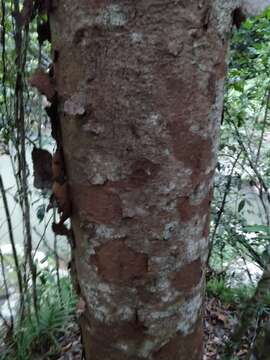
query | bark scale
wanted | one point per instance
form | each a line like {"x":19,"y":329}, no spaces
{"x":140,"y":91}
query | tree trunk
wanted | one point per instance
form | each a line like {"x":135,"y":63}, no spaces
{"x":140,"y":93}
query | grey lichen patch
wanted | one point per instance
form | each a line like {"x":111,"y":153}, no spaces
{"x":104,"y":287}
{"x":162,"y":284}
{"x":169,"y":230}
{"x":130,"y":211}
{"x":132,"y":349}
{"x":175,"y":47}
{"x":154,"y":119}
{"x":122,"y":346}
{"x":176,"y":177}
{"x":136,"y":37}
{"x":167,"y":293}
{"x":196,"y":248}
{"x":162,"y":264}
{"x":105,"y":311}
{"x":109,"y":16}
{"x":223,"y":14}
{"x":154,"y":124}
{"x":215,"y":115}
{"x":104,"y":167}
{"x":112,"y":15}
{"x":169,"y":296}
{"x":93,"y":128}
{"x":106,"y":232}
{"x":165,"y":323}
{"x":190,"y":311}
{"x":151,"y":125}
{"x":75,"y":106}
{"x":98,"y":179}
{"x":125,"y":313}
{"x":153,"y":316}
{"x":168,"y":188}
{"x":147,"y":348}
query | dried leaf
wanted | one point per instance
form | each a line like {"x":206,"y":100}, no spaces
{"x":44,"y":32}
{"x":42,"y":164}
{"x":221,"y":317}
{"x":81,"y":305}
{"x":67,"y":347}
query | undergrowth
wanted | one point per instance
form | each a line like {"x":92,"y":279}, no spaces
{"x":229,"y":295}
{"x":33,"y":335}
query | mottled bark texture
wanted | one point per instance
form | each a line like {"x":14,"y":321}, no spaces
{"x":140,"y":86}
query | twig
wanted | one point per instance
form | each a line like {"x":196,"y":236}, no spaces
{"x":223,"y":203}
{"x":263,"y":128}
{"x":21,"y":45}
{"x":57,"y":265}
{"x":6,"y":287}
{"x":12,"y":240}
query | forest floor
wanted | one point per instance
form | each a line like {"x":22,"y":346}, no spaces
{"x":219,"y":322}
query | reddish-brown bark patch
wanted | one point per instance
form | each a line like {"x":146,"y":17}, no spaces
{"x":98,"y":4}
{"x":206,"y":226}
{"x":61,"y":194}
{"x":191,"y":107}
{"x":183,"y":347}
{"x":79,"y":35}
{"x":188,"y":211}
{"x":193,"y":150}
{"x":188,"y":277}
{"x":58,"y":168}
{"x":43,"y":83}
{"x":102,"y":339}
{"x":142,"y":171}
{"x":117,"y":262}
{"x":221,"y":66}
{"x":98,"y":204}
{"x":212,"y":86}
{"x":181,"y":91}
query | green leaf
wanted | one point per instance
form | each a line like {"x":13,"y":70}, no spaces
{"x":41,"y":212}
{"x":239,"y":86}
{"x":256,"y":228}
{"x":241,"y":205}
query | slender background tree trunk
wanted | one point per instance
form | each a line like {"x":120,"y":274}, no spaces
{"x":140,"y":93}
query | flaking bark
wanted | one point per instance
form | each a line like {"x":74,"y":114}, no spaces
{"x":140,"y":91}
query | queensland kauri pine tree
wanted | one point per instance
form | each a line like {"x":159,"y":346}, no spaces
{"x":136,"y":104}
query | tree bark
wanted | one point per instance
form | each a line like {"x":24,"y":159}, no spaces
{"x":140,"y":95}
